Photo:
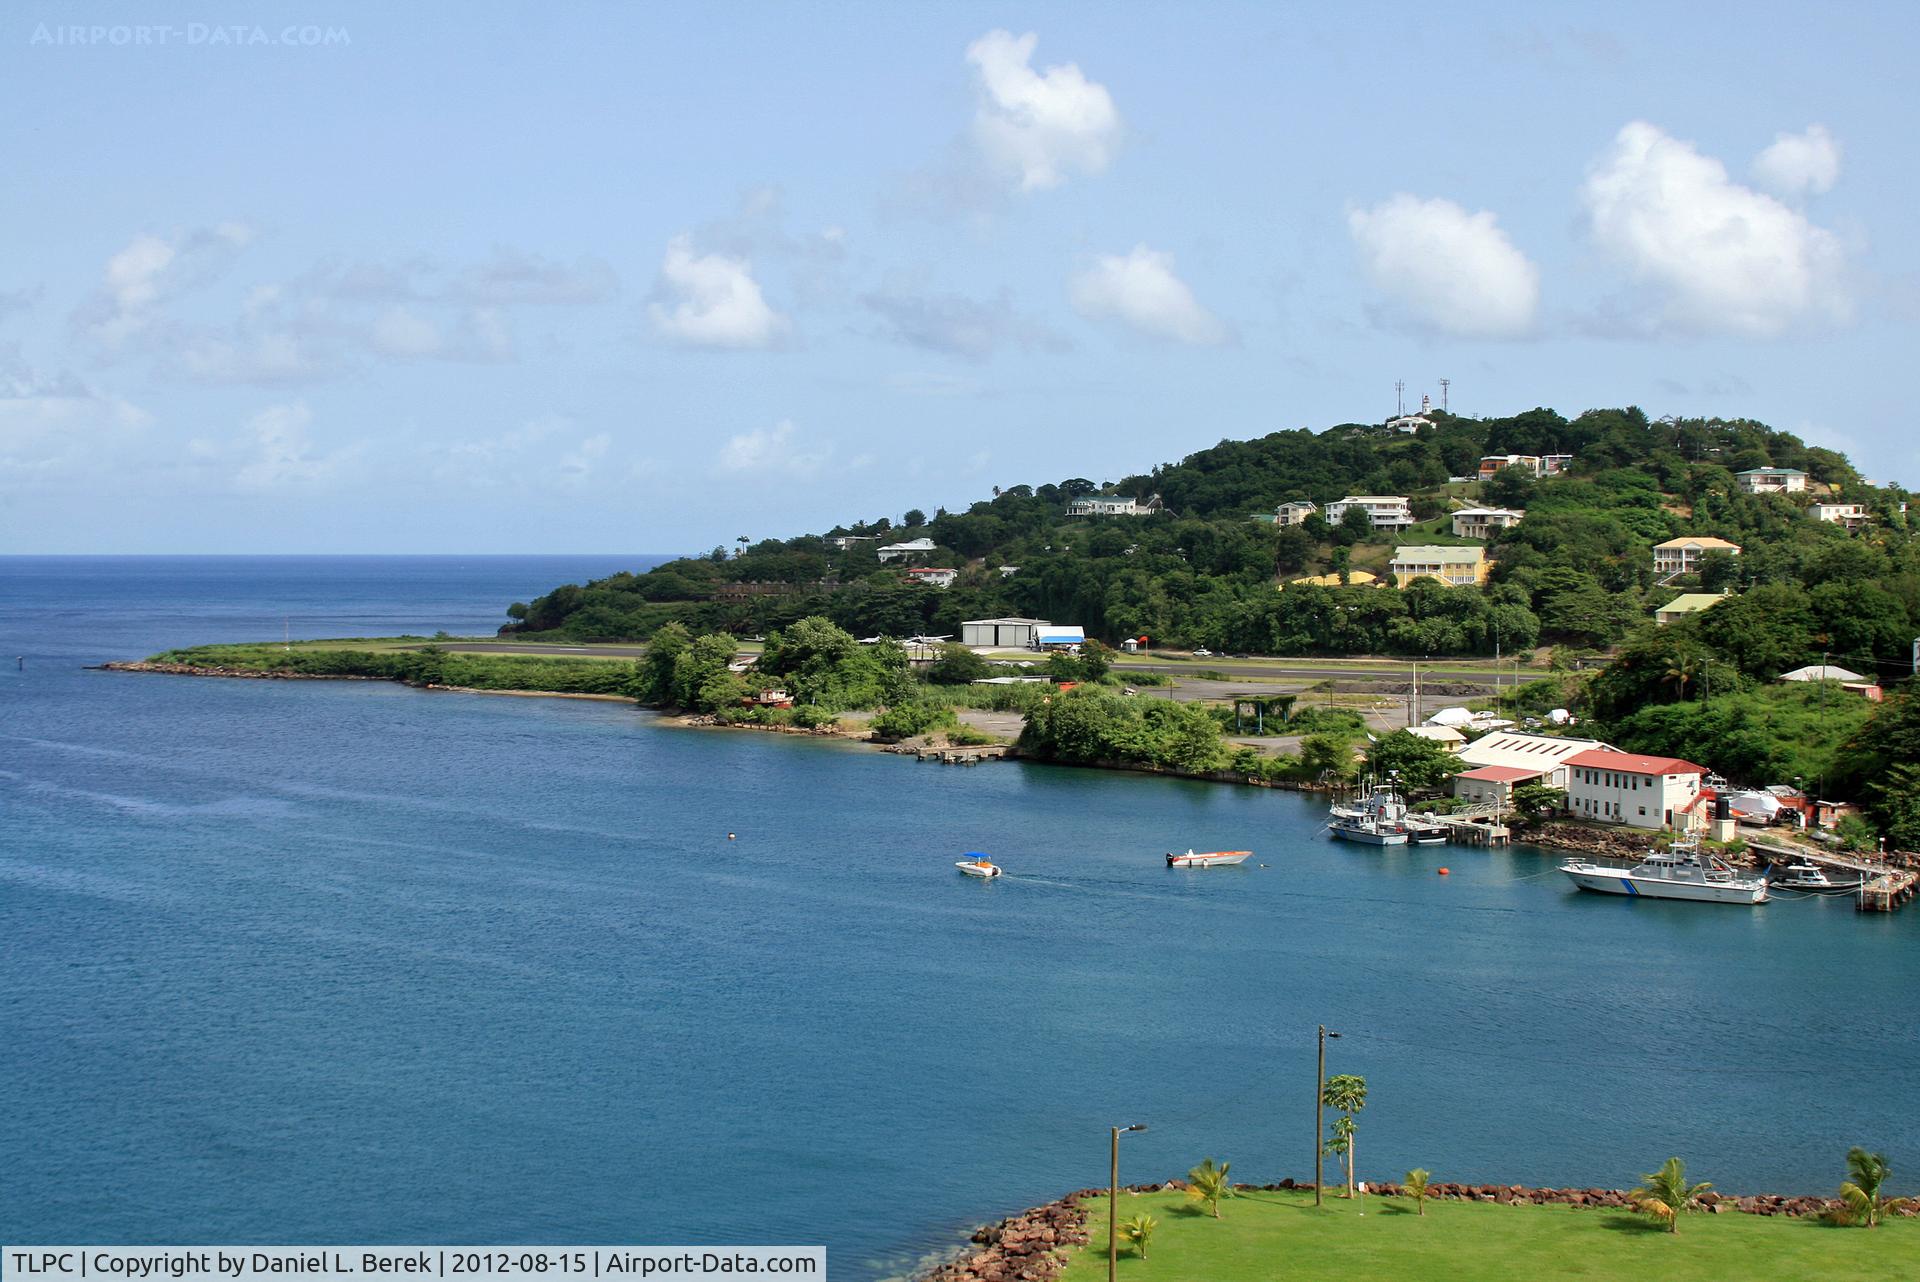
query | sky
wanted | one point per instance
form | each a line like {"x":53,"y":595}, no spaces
{"x":494,"y":277}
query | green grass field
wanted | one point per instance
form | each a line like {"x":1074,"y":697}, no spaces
{"x":1264,"y":1236}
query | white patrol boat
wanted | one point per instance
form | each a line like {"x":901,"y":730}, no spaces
{"x":1680,"y":872}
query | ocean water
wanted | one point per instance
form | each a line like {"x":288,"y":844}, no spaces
{"x":343,"y":962}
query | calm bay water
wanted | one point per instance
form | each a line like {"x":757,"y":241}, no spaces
{"x":341,"y":962}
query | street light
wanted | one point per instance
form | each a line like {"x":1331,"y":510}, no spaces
{"x":1319,"y":1090}
{"x":1113,"y":1203}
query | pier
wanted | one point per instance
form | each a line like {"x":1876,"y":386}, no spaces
{"x":1475,"y":826}
{"x":1884,"y":889}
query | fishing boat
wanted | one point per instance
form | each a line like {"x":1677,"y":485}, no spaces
{"x":1812,"y":878}
{"x":1376,"y":818}
{"x":1208,"y":858}
{"x":1680,"y":872}
{"x":978,"y":865}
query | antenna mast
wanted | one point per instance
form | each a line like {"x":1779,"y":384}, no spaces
{"x":1399,"y":398}
{"x":1445,"y":383}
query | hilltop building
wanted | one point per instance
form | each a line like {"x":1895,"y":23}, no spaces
{"x":1109,"y":505}
{"x":939,"y":578}
{"x":1691,"y":603}
{"x":1851,"y":515}
{"x":1541,"y":465}
{"x":1289,"y":514}
{"x":901,"y":551}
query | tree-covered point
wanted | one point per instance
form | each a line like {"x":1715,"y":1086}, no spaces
{"x":1577,"y":570}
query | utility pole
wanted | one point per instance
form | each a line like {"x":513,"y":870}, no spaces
{"x":1319,"y":1105}
{"x":1399,"y":398}
{"x":1113,"y":1203}
{"x":1445,"y":383}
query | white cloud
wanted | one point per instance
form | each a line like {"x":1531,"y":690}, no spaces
{"x":406,"y":334}
{"x":774,"y":450}
{"x":1446,"y":270}
{"x":1799,"y":164}
{"x":578,"y":463}
{"x":150,"y":271}
{"x":1141,"y":290}
{"x":58,"y":426}
{"x":959,"y":326}
{"x":1724,"y":258}
{"x":712,"y":300}
{"x":400,"y":331}
{"x":275,"y":452}
{"x":1039,"y":125}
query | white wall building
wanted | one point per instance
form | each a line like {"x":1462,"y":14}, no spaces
{"x":1682,"y":555}
{"x":1384,"y":511}
{"x":1639,"y":791}
{"x":899,"y":551}
{"x":936,"y":577}
{"x":1111,"y":505}
{"x":1002,"y":634}
{"x":1772,"y":480}
{"x":1851,"y":515}
{"x":1479,"y":522}
{"x":1293,"y":513}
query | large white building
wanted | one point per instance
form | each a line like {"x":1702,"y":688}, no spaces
{"x":1639,"y":791}
{"x":1002,"y":634}
{"x":1384,"y":511}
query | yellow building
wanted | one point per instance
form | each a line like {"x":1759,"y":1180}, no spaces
{"x":1355,"y":578}
{"x":1461,"y":567}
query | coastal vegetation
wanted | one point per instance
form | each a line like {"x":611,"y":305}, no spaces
{"x":1207,"y":1184}
{"x":1665,"y":1194}
{"x":1863,"y":1200}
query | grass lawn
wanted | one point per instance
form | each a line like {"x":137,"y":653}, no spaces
{"x":1265,"y":1236}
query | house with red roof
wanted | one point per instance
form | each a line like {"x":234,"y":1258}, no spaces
{"x":1494,"y":785}
{"x":1640,"y":791}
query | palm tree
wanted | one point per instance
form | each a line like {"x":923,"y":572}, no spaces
{"x":1347,"y":1093}
{"x":1208,"y":1183}
{"x":1680,"y":671}
{"x":1861,"y":1194}
{"x":1139,"y":1231}
{"x":1416,"y":1187}
{"x":1665,"y":1193}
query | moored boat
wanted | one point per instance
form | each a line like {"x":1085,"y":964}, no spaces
{"x":1376,"y":818}
{"x":1681,"y":872}
{"x":1208,"y":858}
{"x":1810,"y":877}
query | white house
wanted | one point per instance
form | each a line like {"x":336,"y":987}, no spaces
{"x":1446,"y":736}
{"x":1384,"y":511}
{"x":939,"y":578}
{"x":1547,"y":753}
{"x":844,"y":541}
{"x":1002,"y":634}
{"x":1541,"y":465}
{"x":1291,"y":513}
{"x":1682,"y":555}
{"x":1478,"y":522}
{"x":1493,"y":785}
{"x":1109,"y":505}
{"x":1851,"y":515}
{"x":1772,"y":480}
{"x":1639,"y":791}
{"x":1409,"y":423}
{"x":897,"y":551}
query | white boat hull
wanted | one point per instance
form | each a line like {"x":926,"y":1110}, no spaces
{"x":1622,"y":881}
{"x":978,"y":870}
{"x":1368,"y":836}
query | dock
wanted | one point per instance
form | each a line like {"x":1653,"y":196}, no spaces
{"x":1884,"y":889}
{"x":968,"y":756}
{"x":1475,"y":826}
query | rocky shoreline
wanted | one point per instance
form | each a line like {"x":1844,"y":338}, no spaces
{"x":1032,"y":1246}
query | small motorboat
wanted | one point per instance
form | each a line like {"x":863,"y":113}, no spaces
{"x":1208,"y":858}
{"x":978,"y":865}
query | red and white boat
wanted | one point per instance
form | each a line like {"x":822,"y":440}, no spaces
{"x":1208,"y":858}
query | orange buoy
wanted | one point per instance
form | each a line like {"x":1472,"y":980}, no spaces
{"x":1444,"y":872}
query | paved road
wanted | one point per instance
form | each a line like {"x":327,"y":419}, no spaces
{"x":1231,"y":667}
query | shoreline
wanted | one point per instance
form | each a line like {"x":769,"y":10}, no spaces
{"x":1554,"y":834}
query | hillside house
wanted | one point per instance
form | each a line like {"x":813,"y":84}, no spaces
{"x":1772,"y":480}
{"x":903,"y":551}
{"x":1111,"y":505}
{"x":1682,"y":555}
{"x":1541,"y":465}
{"x":1691,"y":603}
{"x":1850,"y":515}
{"x":934,"y":577}
{"x":1389,"y":512}
{"x":1457,"y":567}
{"x":1479,"y":522}
{"x":1290,"y":514}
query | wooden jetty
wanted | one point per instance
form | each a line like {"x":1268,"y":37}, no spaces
{"x":1475,"y":826}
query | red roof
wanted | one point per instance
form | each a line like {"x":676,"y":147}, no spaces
{"x":1633,"y":763}
{"x":1500,"y":774}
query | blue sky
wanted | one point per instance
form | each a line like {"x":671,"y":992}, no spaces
{"x":498,"y":278}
